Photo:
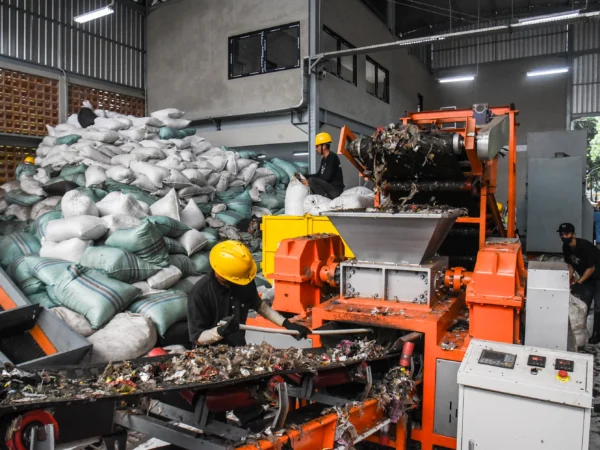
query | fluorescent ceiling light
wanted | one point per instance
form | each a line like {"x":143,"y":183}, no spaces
{"x":457,"y":79}
{"x":539,"y":73}
{"x":96,"y":14}
{"x":300,"y":153}
{"x":550,"y":17}
{"x":261,"y":156}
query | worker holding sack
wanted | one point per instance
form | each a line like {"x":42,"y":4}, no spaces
{"x":329,"y":179}
{"x":219,"y":302}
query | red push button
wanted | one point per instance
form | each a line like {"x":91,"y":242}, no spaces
{"x":563,"y":373}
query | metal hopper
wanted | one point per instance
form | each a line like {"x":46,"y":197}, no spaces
{"x":408,"y":238}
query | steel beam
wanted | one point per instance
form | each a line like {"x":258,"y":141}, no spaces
{"x":314,"y":31}
{"x":570,"y":75}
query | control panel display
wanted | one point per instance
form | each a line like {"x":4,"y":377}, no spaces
{"x":564,"y":364}
{"x":536,"y":361}
{"x":498,"y":359}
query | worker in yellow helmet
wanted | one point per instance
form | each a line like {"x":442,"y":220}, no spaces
{"x":219,"y":302}
{"x":29,"y":160}
{"x":329,"y":179}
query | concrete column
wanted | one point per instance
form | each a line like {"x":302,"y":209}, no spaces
{"x":314,"y":32}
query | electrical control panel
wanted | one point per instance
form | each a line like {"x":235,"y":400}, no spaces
{"x":498,"y":359}
{"x":536,"y":361}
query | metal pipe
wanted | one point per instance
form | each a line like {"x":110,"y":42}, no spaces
{"x":447,"y":36}
{"x":367,"y":433}
{"x":317,"y":332}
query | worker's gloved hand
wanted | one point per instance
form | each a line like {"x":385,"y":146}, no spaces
{"x":231,"y":325}
{"x":301,"y":329}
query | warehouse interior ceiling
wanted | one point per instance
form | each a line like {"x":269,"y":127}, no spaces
{"x":422,"y":17}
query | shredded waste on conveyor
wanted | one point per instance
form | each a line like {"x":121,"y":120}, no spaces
{"x":204,"y":365}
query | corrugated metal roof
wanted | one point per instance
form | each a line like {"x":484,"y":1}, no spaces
{"x":43,"y":32}
{"x":586,"y":84}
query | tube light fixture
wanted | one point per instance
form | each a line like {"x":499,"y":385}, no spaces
{"x":261,"y":156}
{"x":95,"y":14}
{"x":300,"y":153}
{"x":550,"y":17}
{"x":539,"y":73}
{"x":457,"y":79}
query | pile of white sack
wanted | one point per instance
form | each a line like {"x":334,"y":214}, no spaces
{"x":298,"y":200}
{"x":111,"y":228}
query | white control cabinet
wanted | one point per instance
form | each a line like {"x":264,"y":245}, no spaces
{"x":523,"y":398}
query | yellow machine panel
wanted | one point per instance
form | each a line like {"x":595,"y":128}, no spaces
{"x":276,"y":228}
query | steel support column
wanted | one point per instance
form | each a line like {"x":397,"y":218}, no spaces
{"x":313,"y":102}
{"x":570,"y":75}
{"x":391,"y":17}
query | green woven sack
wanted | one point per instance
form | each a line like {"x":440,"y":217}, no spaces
{"x":117,"y":263}
{"x":145,"y":241}
{"x":16,"y":245}
{"x":168,"y":227}
{"x":42,"y":299}
{"x":69,"y":139}
{"x":39,"y":225}
{"x":70,"y":170}
{"x":22,"y":198}
{"x":174,"y":247}
{"x":47,"y":270}
{"x":164,"y":309}
{"x":183,"y":263}
{"x":201,"y":262}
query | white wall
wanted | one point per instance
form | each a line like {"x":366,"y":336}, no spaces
{"x":188,"y":57}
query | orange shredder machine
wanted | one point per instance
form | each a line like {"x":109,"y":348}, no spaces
{"x":400,"y":283}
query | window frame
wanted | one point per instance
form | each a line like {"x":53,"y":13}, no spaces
{"x":379,"y":67}
{"x":340,"y":40}
{"x":264,"y":49}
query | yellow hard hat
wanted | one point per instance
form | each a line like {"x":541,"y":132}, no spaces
{"x":29,"y":160}
{"x":500,"y":206}
{"x":233,"y":261}
{"x":322,"y":138}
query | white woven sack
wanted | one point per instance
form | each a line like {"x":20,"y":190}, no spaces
{"x":231,"y":165}
{"x":93,"y":153}
{"x":126,"y":336}
{"x":218,"y":207}
{"x":172,"y":113}
{"x":125,"y":160}
{"x":147,"y":121}
{"x":119,"y":203}
{"x":195,"y":176}
{"x":75,"y":320}
{"x":295,"y":194}
{"x":120,"y":174}
{"x":193,"y":241}
{"x":134,"y":134}
{"x":143,"y":182}
{"x":82,"y":227}
{"x":259,"y":211}
{"x":167,"y":206}
{"x":152,"y":144}
{"x":116,"y":222}
{"x":316,"y":204}
{"x":192,"y":216}
{"x":350,"y":202}
{"x":49,"y":141}
{"x":147,"y":153}
{"x":107,"y":136}
{"x":177,"y":180}
{"x":172,"y":162}
{"x":165,"y":278}
{"x":74,"y":203}
{"x":178,"y":124}
{"x":67,"y":250}
{"x":200,"y":148}
{"x":22,"y":213}
{"x":94,"y":176}
{"x":109,"y":124}
{"x":32,"y":187}
{"x":180,"y":143}
{"x":146,"y":289}
{"x":157,"y":175}
{"x":359,"y":190}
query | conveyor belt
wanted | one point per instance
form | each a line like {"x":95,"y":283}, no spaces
{"x":21,"y":347}
{"x":91,"y":372}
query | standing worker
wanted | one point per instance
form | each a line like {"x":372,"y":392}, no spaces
{"x":583,"y":257}
{"x":225,"y":295}
{"x":329,"y":180}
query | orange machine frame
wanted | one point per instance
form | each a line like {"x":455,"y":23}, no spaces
{"x":486,"y":171}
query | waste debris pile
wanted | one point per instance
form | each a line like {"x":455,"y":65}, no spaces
{"x":204,"y":365}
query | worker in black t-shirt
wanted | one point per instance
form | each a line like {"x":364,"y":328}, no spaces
{"x":219,"y":302}
{"x":583,"y":257}
{"x":329,"y":179}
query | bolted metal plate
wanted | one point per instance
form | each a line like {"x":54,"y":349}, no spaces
{"x":408,"y":238}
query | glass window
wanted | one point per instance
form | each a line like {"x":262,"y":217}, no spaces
{"x":344,"y":67}
{"x":377,"y":80}
{"x":264,"y":51}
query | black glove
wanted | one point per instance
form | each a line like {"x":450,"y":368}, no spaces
{"x":301,"y":329}
{"x":230,"y":326}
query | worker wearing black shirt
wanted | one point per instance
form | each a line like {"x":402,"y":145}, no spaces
{"x":220,"y":301}
{"x":329,"y":180}
{"x":583,"y":257}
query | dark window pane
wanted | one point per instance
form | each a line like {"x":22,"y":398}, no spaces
{"x":370,"y":78}
{"x":382,"y":85}
{"x":347,"y":70}
{"x":329,"y":44}
{"x":282,"y":49}
{"x":246,"y":55}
